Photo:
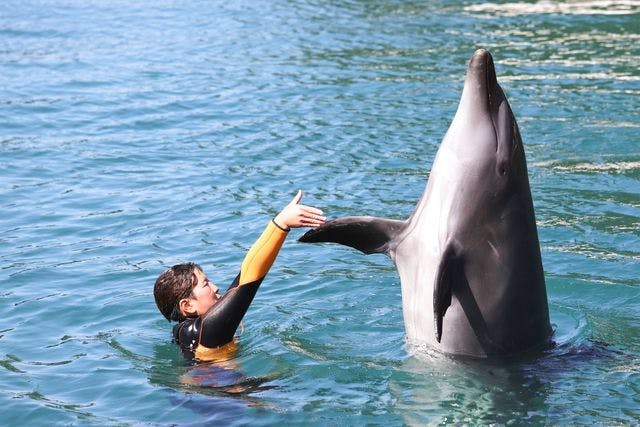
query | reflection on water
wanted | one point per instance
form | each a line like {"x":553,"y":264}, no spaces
{"x":593,"y":168}
{"x":575,"y":7}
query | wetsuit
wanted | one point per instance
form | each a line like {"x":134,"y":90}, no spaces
{"x":199,"y":335}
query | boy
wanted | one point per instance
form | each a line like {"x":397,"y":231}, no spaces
{"x":208,"y":320}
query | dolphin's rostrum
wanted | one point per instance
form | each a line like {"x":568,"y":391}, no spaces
{"x":469,"y":256}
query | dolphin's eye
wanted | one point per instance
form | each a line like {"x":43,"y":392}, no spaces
{"x":502,"y":168}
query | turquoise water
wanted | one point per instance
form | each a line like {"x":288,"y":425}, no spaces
{"x":136,"y":135}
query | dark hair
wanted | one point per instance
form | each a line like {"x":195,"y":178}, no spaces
{"x":173,"y":285}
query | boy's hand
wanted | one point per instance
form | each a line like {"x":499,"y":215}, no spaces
{"x":295,"y":215}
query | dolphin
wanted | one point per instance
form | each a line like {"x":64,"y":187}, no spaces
{"x":468,"y":257}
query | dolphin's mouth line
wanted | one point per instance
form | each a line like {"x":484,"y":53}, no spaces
{"x":489,"y":85}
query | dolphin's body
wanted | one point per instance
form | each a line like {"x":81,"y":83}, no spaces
{"x":468,"y":257}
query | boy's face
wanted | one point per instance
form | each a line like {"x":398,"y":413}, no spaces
{"x":203,"y":296}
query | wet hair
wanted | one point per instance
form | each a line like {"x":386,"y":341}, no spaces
{"x":171,"y":286}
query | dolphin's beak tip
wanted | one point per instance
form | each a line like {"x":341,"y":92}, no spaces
{"x":481,"y":66}
{"x":483,"y":56}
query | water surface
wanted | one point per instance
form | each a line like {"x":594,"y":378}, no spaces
{"x":139,"y":135}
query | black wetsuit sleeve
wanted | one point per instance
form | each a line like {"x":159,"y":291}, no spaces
{"x":220,"y":323}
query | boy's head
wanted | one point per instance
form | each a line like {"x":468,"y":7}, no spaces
{"x":184,"y":291}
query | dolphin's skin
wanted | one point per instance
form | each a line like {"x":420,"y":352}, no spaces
{"x":468,"y":257}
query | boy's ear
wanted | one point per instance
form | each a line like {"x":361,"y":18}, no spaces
{"x":186,"y":307}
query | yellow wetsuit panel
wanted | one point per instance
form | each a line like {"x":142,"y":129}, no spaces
{"x":262,"y":254}
{"x":218,"y":354}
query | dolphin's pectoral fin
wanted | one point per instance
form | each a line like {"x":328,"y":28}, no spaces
{"x":443,"y":288}
{"x":367,"y":234}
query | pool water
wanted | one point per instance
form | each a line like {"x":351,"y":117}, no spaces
{"x":138,"y":135}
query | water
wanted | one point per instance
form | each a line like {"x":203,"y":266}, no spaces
{"x":136,"y":135}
